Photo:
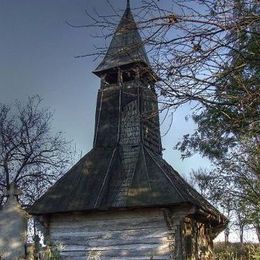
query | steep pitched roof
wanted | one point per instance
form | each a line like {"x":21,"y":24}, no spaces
{"x":94,"y":184}
{"x":126,"y":46}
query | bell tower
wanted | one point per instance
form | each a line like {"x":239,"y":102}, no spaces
{"x":127,"y":108}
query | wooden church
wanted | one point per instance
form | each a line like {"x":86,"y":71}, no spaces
{"x":122,"y":200}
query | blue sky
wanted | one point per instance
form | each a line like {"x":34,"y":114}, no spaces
{"x":37,"y":50}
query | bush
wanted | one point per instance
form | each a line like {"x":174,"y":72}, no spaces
{"x":236,"y":251}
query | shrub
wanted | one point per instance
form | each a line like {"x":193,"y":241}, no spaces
{"x":236,"y":251}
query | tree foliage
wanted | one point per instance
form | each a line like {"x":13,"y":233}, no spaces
{"x":228,"y":131}
{"x":210,"y":57}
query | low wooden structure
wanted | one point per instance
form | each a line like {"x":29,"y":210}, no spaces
{"x":122,"y":200}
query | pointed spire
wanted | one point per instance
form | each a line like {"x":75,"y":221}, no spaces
{"x":128,"y":4}
{"x":126,"y":46}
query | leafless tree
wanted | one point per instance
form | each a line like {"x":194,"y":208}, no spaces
{"x":31,"y":155}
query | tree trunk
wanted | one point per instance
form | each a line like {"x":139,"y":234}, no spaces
{"x":227,"y":231}
{"x":257,"y":229}
{"x":241,"y":234}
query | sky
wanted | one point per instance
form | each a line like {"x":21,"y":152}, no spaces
{"x":37,"y":57}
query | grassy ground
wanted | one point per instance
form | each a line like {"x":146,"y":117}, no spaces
{"x":237,"y":251}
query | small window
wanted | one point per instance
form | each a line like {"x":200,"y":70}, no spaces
{"x":111,"y":78}
{"x":128,"y":76}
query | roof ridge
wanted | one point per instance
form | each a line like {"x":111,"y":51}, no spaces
{"x":173,"y":184}
{"x":105,"y":178}
{"x":189,"y":189}
{"x":134,"y":171}
{"x":60,"y":179}
{"x":146,"y":170}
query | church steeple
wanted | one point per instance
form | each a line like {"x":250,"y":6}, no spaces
{"x":125,"y":168}
{"x":126,"y":46}
{"x":127,"y":109}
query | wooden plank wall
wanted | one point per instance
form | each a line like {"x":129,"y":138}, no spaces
{"x":136,"y":234}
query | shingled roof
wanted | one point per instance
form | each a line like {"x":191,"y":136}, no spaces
{"x":126,"y":46}
{"x":93,"y":184}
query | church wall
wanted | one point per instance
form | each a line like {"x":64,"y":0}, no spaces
{"x":136,"y":234}
{"x":191,"y":239}
{"x":196,"y":240}
{"x":107,"y":118}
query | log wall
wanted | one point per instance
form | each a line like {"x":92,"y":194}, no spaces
{"x":136,"y":234}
